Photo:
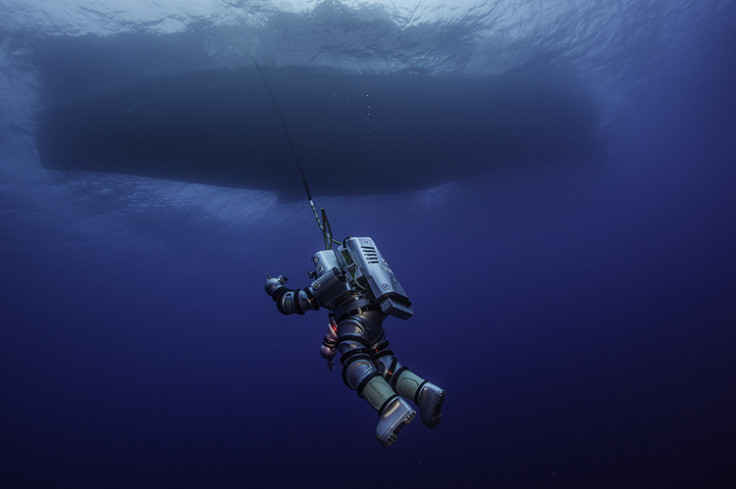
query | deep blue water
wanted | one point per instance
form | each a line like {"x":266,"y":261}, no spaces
{"x":581,"y":317}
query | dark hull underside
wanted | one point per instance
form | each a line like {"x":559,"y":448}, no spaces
{"x":354,"y":133}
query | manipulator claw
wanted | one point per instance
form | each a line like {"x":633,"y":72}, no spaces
{"x":290,"y":301}
{"x":273,"y":284}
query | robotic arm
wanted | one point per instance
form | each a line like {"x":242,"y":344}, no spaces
{"x":290,"y":301}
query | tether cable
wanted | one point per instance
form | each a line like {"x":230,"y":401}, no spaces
{"x":324,"y":225}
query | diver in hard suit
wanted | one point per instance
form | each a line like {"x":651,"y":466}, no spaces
{"x":359,"y":289}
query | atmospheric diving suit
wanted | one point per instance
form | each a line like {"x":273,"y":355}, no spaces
{"x":355,"y":283}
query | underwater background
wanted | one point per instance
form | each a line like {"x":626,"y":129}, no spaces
{"x":580,"y":315}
